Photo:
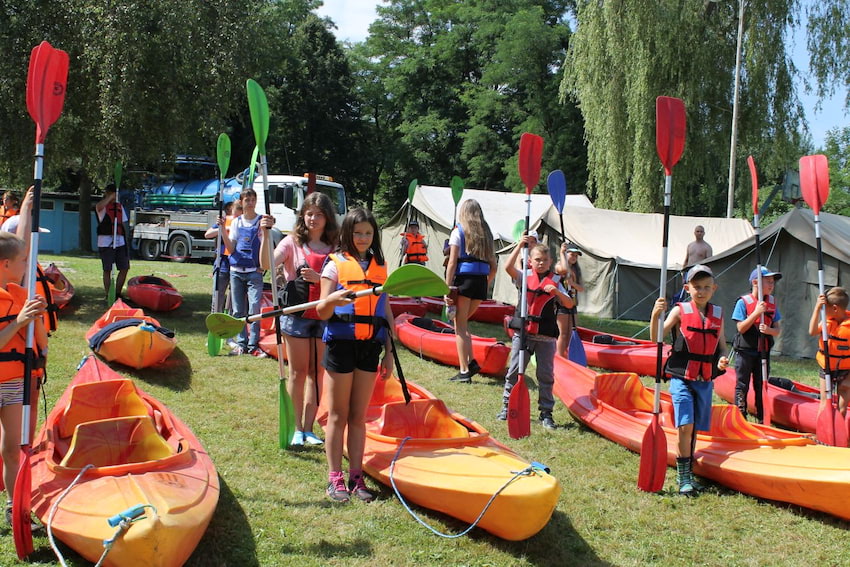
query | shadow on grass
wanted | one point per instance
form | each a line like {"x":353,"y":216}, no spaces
{"x":174,"y":373}
{"x":228,"y":539}
{"x":330,"y":549}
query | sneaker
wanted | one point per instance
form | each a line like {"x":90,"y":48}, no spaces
{"x":357,"y":487}
{"x":311,"y":438}
{"x":237,"y":351}
{"x":547,"y":422}
{"x":474,"y":368}
{"x":297,"y":439}
{"x":337,"y":492}
{"x":257,"y":353}
{"x":462,"y":377}
{"x":34,"y":526}
{"x":503,"y":415}
{"x":687,"y":489}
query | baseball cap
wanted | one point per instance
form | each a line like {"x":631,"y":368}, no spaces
{"x":413,"y":222}
{"x":574,"y":249}
{"x":697,"y":270}
{"x":765,"y":272}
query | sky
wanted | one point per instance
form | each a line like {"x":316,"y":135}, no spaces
{"x":352,"y":18}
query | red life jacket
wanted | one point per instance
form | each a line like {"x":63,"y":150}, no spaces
{"x":416,"y":250}
{"x":107,"y":223}
{"x":696,"y":347}
{"x":839,"y":344}
{"x":364,"y":319}
{"x":541,"y":318}
{"x":750,"y":339}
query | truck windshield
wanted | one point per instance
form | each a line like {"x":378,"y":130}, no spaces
{"x":336,"y":194}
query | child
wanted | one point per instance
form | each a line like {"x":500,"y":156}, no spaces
{"x":698,"y":358}
{"x":570,"y":272}
{"x":301,"y":256}
{"x":16,"y":312}
{"x":356,"y":332}
{"x":541,"y":325}
{"x":471,"y":268}
{"x":221,"y":271}
{"x":111,"y":217}
{"x":838,"y":330}
{"x":413,"y":245}
{"x":242,"y":241}
{"x":755,"y":335}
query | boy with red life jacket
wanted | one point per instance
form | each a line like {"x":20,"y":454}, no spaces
{"x":757,"y":322}
{"x":699,"y":344}
{"x":544,"y":293}
{"x":16,"y":312}
{"x":413,"y":245}
{"x":838,"y":333}
{"x":111,"y":217}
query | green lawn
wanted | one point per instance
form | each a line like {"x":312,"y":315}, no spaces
{"x":273,"y":510}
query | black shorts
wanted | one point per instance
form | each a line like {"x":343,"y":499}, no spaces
{"x":118,"y":256}
{"x":344,"y":356}
{"x":471,"y":286}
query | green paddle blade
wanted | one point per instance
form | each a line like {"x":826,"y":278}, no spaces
{"x":457,"y":189}
{"x":519,"y":227}
{"x":258,"y":106}
{"x":254,"y":156}
{"x":213,"y":344}
{"x":286,"y":423}
{"x":223,"y":325}
{"x":110,"y":296}
{"x":118,"y":171}
{"x":223,"y":154}
{"x":411,"y":190}
{"x":414,"y":280}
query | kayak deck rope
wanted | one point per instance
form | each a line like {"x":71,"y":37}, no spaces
{"x":533,"y":468}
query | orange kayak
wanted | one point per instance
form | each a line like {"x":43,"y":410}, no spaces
{"x":139,"y":344}
{"x":754,"y":459}
{"x":431,"y":338}
{"x":153,"y":293}
{"x":142,"y":455}
{"x":268,"y":344}
{"x":451,"y":464}
{"x":63,"y":290}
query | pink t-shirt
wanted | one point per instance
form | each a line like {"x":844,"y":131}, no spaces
{"x":290,"y":255}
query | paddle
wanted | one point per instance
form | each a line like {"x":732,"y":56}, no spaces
{"x":669,"y":143}
{"x":814,"y":184}
{"x":411,"y":280}
{"x":46,"y":83}
{"x":259,"y":109}
{"x":110,"y":296}
{"x":767,"y":408}
{"x":223,"y":158}
{"x":519,"y":412}
{"x":411,"y":191}
{"x":457,"y":193}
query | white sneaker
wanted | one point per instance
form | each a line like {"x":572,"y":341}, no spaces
{"x":297,"y":439}
{"x":311,"y":438}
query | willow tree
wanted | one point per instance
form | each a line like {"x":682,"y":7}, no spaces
{"x":625,"y":53}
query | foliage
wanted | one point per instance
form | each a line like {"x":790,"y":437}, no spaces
{"x":837,"y":150}
{"x":828,"y":42}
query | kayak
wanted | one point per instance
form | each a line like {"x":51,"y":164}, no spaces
{"x":451,"y":464}
{"x":141,"y":453}
{"x":412,"y":305}
{"x":268,"y":344}
{"x":153,"y":293}
{"x":63,"y":290}
{"x":489,"y":311}
{"x":758,"y":460}
{"x":126,"y":335}
{"x":793,"y":404}
{"x":434,"y":339}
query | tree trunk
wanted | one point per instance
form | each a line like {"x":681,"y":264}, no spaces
{"x":85,"y":211}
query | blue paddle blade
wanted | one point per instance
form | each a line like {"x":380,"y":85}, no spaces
{"x":556,"y":184}
{"x":576,"y":350}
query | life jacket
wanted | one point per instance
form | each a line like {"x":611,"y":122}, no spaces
{"x":416,"y":249}
{"x":6,"y":214}
{"x":301,"y":291}
{"x":470,"y":265}
{"x":750,"y":339}
{"x":839,"y":344}
{"x":106,"y":224}
{"x":246,"y":253}
{"x":541,"y":318}
{"x":363,"y":319}
{"x":696,"y":345}
{"x":13,"y":353}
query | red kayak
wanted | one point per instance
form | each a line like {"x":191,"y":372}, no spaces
{"x":153,"y":293}
{"x":489,"y":311}
{"x":433,"y":339}
{"x":412,"y":305}
{"x":62,"y":290}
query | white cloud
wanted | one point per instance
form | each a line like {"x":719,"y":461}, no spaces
{"x":352,"y":17}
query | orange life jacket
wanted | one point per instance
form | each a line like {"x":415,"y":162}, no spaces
{"x":363,"y":319}
{"x":839,"y":344}
{"x":696,"y":347}
{"x":13,"y":353}
{"x":416,"y":249}
{"x":6,"y":214}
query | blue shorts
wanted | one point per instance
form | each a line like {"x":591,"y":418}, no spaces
{"x":302,"y":327}
{"x":118,"y":256}
{"x":692,"y":402}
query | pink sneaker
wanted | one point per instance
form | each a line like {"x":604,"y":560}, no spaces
{"x":357,"y":487}
{"x":336,"y":490}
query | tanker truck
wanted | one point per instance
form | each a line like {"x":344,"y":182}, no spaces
{"x":169,"y":219}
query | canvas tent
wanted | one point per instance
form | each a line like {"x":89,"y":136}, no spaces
{"x":788,"y":245}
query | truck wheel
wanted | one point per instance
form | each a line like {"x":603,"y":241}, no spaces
{"x":149,"y":249}
{"x":178,"y":249}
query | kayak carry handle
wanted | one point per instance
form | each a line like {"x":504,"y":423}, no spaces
{"x":540,"y":466}
{"x":129,"y":514}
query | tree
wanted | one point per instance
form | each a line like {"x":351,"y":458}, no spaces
{"x":837,"y":150}
{"x":828,"y":42}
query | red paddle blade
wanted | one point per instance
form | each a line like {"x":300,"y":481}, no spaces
{"x":825,"y":425}
{"x":519,"y":410}
{"x":653,"y":458}
{"x":814,"y":180}
{"x":767,"y":405}
{"x":669,"y":131}
{"x":754,"y":178}
{"x":530,"y":160}
{"x":840,"y":428}
{"x":21,"y":507}
{"x":46,"y":83}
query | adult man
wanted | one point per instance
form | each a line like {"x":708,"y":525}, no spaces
{"x":698,"y":250}
{"x":111,"y":217}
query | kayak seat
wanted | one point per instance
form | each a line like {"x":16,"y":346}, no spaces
{"x":430,"y":325}
{"x":121,"y":314}
{"x":610,"y":340}
{"x":420,"y":419}
{"x":116,"y":441}
{"x":153,"y":280}
{"x":386,"y":391}
{"x":95,"y":401}
{"x":727,"y":422}
{"x":625,"y":391}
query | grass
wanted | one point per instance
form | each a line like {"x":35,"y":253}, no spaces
{"x":272,"y":509}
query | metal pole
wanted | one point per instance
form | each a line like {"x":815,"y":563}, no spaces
{"x":733,"y":145}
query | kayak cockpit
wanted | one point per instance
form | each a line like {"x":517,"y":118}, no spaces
{"x":625,"y":392}
{"x":421,"y":419}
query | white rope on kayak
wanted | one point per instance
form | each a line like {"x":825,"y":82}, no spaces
{"x":55,"y":507}
{"x":527,"y":471}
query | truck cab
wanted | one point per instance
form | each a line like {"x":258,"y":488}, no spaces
{"x":286,"y":196}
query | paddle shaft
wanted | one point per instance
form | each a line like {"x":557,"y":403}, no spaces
{"x":762,"y":340}
{"x":824,"y":334}
{"x":668,"y":189}
{"x":310,"y":305}
{"x":523,"y":309}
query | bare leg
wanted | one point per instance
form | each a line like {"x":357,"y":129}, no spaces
{"x":340,"y":393}
{"x":565,"y":331}
{"x":364,"y":383}
{"x":463,"y":340}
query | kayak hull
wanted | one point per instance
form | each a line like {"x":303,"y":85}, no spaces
{"x":411,"y":305}
{"x":171,"y":472}
{"x":153,"y":293}
{"x":489,"y":310}
{"x":137,"y":346}
{"x":63,"y":289}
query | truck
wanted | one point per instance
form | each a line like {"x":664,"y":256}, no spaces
{"x":168,"y":220}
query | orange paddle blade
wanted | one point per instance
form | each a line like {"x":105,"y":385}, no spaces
{"x":653,"y":458}
{"x":519,"y":410}
{"x":21,"y":507}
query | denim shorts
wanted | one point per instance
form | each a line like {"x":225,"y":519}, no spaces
{"x":302,"y":327}
{"x":692,"y":402}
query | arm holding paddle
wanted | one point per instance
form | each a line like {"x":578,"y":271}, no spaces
{"x":266,"y":224}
